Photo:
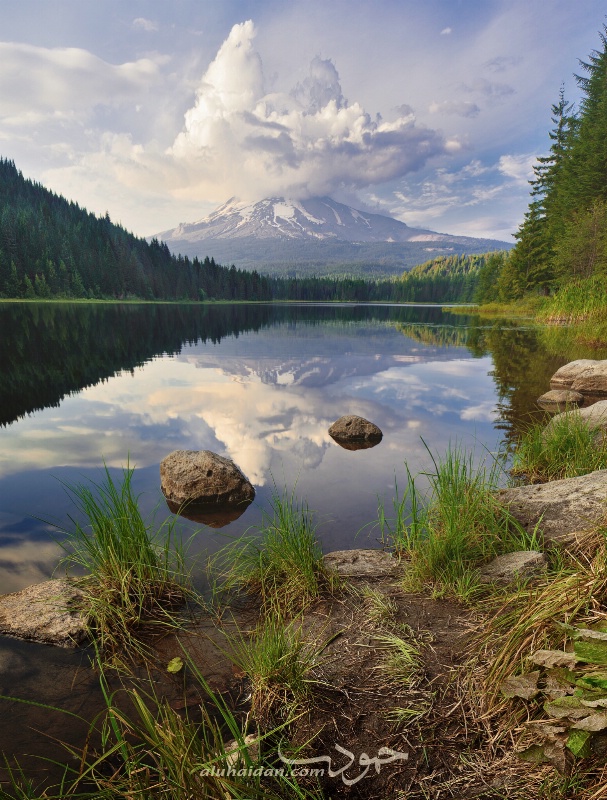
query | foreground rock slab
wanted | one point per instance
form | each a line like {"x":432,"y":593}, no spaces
{"x":351,"y":429}
{"x":45,"y":612}
{"x":362,"y":563}
{"x":562,"y":508}
{"x":512,"y":567}
{"x":202,"y":480}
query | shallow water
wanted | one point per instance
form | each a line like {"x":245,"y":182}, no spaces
{"x":83,"y":385}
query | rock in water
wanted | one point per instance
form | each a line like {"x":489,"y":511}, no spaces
{"x":560,"y":400}
{"x":564,"y":377}
{"x":45,"y":612}
{"x":594,"y":416}
{"x":592,"y":381}
{"x":351,"y":428}
{"x":200,"y":479}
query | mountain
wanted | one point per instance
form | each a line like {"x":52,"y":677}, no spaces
{"x":280,"y":236}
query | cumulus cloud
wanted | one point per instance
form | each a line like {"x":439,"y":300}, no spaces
{"x":240,"y":139}
{"x":446,"y":31}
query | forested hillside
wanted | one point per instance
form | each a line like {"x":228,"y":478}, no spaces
{"x":563,"y":238}
{"x":50,"y":247}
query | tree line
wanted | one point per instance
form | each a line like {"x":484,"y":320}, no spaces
{"x":563,"y":236}
{"x":53,"y":248}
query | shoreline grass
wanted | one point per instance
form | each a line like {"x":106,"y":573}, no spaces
{"x":566,"y":447}
{"x":459,"y":524}
{"x":284,"y":565}
{"x":133,"y":575}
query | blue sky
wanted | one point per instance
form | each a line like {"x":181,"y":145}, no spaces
{"x":160,"y":111}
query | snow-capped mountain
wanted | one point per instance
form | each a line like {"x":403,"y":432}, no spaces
{"x":317,"y":218}
{"x":318,"y":235}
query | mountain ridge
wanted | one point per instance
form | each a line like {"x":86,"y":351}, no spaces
{"x":318,"y":235}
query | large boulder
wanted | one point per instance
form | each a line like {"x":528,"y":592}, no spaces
{"x":352,"y":429}
{"x":565,"y":375}
{"x":46,"y":612}
{"x":559,"y":509}
{"x":595,"y":416}
{"x":201,"y":480}
{"x":592,"y":381}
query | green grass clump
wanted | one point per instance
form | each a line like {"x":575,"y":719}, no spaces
{"x":457,"y":526}
{"x":279,"y":662}
{"x":284,"y":564}
{"x":566,"y":448}
{"x":401,"y":659}
{"x":132,"y":573}
{"x":576,"y":301}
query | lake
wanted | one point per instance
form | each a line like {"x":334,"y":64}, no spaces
{"x":86,"y":384}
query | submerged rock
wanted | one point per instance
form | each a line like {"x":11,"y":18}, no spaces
{"x":512,"y":567}
{"x":45,"y":612}
{"x":564,"y":377}
{"x":559,"y":509}
{"x":560,"y":399}
{"x":201,"y":480}
{"x":204,"y":515}
{"x":351,"y":429}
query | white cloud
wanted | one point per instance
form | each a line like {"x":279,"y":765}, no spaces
{"x":42,"y":83}
{"x":239,"y":139}
{"x":446,"y":31}
{"x":144,"y":24}
{"x":518,"y":167}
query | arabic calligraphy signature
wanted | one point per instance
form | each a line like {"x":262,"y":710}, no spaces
{"x":385,"y":755}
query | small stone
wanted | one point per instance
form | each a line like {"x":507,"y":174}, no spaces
{"x":201,"y":480}
{"x":512,"y":567}
{"x":351,"y":428}
{"x":560,"y":399}
{"x":45,"y":612}
{"x":362,"y":563}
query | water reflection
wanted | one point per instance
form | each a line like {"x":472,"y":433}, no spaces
{"x":260,"y":384}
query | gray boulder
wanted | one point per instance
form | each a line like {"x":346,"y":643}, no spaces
{"x":565,"y":375}
{"x":351,"y":428}
{"x":560,"y":509}
{"x":595,"y":416}
{"x":560,"y":399}
{"x":512,"y":567}
{"x":200,"y":479}
{"x":45,"y":612}
{"x":592,"y":381}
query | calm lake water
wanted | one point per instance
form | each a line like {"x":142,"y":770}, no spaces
{"x":81,"y":385}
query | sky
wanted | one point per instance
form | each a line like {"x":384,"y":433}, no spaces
{"x":158,"y":112}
